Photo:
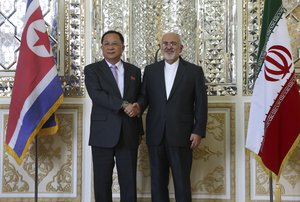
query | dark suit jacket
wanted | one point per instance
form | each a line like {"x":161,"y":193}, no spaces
{"x":107,"y":117}
{"x":185,"y":111}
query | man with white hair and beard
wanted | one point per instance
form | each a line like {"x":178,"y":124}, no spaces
{"x":174,"y":92}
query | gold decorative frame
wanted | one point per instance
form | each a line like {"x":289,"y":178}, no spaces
{"x":60,"y":162}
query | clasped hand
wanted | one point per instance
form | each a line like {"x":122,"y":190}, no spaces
{"x":132,"y":110}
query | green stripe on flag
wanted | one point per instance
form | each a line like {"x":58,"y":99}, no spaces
{"x":273,"y":11}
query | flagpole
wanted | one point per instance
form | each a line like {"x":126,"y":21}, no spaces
{"x":36,"y":184}
{"x":271,"y":186}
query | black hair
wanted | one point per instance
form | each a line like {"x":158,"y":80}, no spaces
{"x":113,"y":32}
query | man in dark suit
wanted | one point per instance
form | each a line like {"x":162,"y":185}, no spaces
{"x":113,"y":84}
{"x":175,"y":93}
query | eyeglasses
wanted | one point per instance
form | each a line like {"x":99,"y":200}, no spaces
{"x":114,"y":44}
{"x":166,"y":43}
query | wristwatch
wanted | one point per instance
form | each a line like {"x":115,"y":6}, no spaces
{"x":124,"y":104}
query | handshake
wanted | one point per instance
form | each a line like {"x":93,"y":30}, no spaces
{"x":132,"y":109}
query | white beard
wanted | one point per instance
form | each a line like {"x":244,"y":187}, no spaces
{"x":169,"y":56}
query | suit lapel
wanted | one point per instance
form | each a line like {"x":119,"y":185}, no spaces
{"x":161,"y":79}
{"x":109,"y":76}
{"x":178,"y":77}
{"x":127,"y":74}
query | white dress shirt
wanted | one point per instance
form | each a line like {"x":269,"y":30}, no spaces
{"x":170,"y":73}
{"x":120,"y":75}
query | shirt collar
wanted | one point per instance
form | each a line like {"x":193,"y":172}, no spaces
{"x":175,"y":64}
{"x":118,"y":64}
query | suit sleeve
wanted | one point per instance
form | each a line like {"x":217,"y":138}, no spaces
{"x":201,"y":107}
{"x":98,"y":95}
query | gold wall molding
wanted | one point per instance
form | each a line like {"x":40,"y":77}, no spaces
{"x":59,"y":162}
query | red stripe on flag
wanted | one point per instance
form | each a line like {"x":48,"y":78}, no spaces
{"x":27,"y":80}
{"x":282,"y":132}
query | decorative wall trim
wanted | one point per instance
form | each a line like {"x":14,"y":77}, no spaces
{"x":60,"y":162}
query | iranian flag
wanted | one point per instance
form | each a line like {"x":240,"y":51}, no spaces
{"x":274,"y":121}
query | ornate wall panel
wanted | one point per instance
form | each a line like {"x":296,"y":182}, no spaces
{"x":207,"y":28}
{"x":252,"y":16}
{"x":59,"y":162}
{"x":156,"y":18}
{"x":65,"y":21}
{"x":257,"y":180}
{"x":217,"y":44}
{"x":213,"y":170}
